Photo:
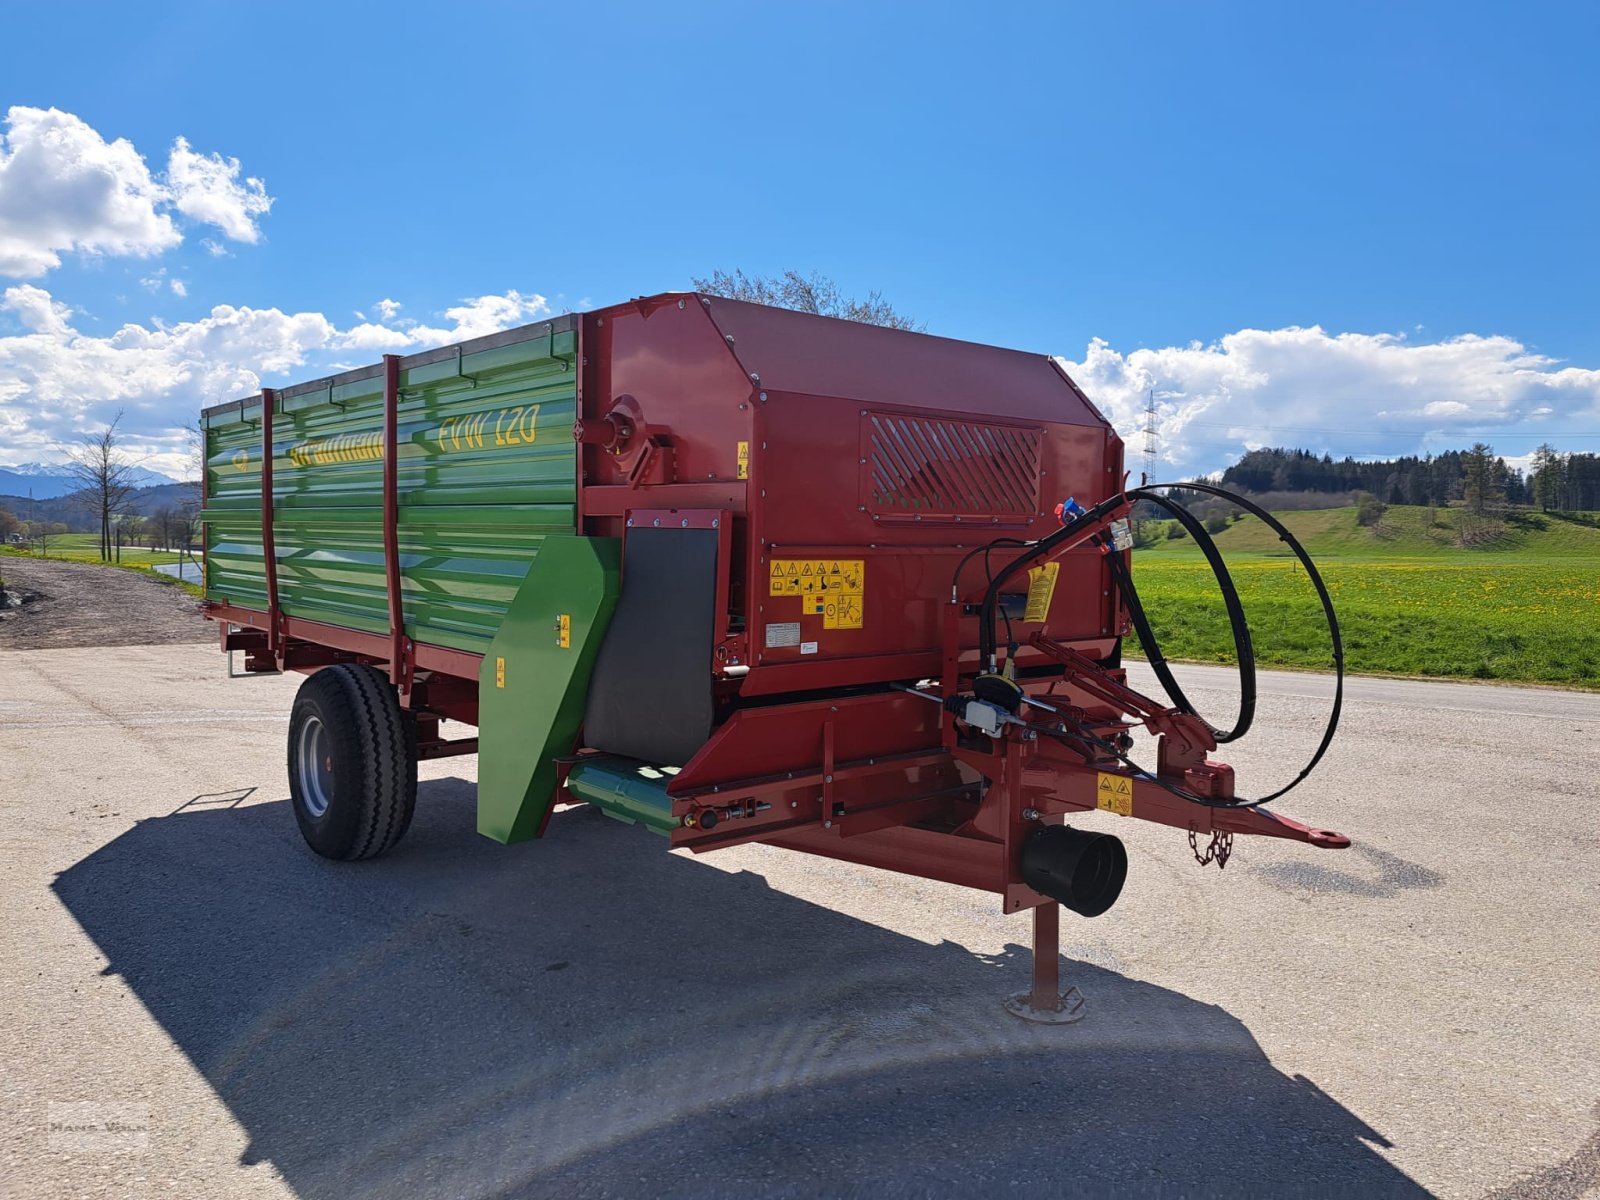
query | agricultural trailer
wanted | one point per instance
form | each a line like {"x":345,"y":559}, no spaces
{"x":736,"y":574}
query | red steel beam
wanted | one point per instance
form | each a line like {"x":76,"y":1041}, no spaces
{"x":269,"y":549}
{"x":462,"y":664}
{"x":398,"y":674}
{"x":1047,"y":957}
{"x":967,"y":862}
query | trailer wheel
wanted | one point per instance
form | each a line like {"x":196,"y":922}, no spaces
{"x":352,"y":763}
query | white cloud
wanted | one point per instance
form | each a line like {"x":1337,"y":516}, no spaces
{"x":36,"y":310}
{"x":1350,"y":393}
{"x":387,"y":309}
{"x":179,"y":288}
{"x":65,"y":189}
{"x":207,"y":188}
{"x":368,"y":336}
{"x":486,"y":314}
{"x":215,"y":248}
{"x":57,"y":382}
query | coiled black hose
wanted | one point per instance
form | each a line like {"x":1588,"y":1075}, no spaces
{"x":1242,"y":643}
{"x":1244,"y":649}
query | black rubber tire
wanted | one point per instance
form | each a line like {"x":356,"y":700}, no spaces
{"x":368,"y":746}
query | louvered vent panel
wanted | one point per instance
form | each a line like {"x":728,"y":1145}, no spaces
{"x":927,"y":467}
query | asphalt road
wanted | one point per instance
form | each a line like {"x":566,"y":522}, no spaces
{"x":594,"y":1016}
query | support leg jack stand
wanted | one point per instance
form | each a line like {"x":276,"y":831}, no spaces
{"x":1047,"y":1003}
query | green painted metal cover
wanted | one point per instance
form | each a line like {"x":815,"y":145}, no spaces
{"x":487,"y":468}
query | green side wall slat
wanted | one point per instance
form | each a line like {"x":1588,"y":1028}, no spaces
{"x":486,"y":471}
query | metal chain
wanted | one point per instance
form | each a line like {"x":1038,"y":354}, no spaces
{"x":1218,"y":851}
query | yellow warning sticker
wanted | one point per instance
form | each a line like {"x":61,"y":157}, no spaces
{"x":1115,"y":794}
{"x":1041,"y":590}
{"x":842,"y":611}
{"x":810,"y":576}
{"x":831,"y":588}
{"x":744,"y":460}
{"x":499,"y":672}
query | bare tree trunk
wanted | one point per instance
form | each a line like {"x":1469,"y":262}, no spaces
{"x":104,"y":484}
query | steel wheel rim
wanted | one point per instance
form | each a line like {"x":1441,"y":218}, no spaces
{"x":315,"y":767}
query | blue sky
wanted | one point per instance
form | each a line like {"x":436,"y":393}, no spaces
{"x":1360,"y":228}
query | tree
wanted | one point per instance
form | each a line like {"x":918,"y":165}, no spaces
{"x":814,"y":294}
{"x":42,"y":533}
{"x":186,"y":525}
{"x":8,"y":525}
{"x":1479,"y":487}
{"x":163,"y":527}
{"x":194,"y":486}
{"x":1548,"y":470}
{"x":102,"y":473}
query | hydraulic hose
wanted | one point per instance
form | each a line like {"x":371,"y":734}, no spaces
{"x":1242,"y":643}
{"x":1039,"y":549}
{"x":1332,"y":619}
{"x":1244,"y":649}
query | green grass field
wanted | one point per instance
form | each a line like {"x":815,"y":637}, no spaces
{"x":1524,"y":605}
{"x":85,"y":547}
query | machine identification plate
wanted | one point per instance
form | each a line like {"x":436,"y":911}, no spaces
{"x":1041,"y":590}
{"x":783,"y":633}
{"x":1115,"y":794}
{"x":831,"y":588}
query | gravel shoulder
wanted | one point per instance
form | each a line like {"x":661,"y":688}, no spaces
{"x":83,"y":604}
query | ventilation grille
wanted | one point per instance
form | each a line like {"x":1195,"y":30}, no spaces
{"x":931,"y":468}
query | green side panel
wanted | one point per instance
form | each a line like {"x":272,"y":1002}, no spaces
{"x":530,"y":715}
{"x":626,"y":789}
{"x":486,"y":468}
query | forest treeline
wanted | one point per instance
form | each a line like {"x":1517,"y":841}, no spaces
{"x":1476,"y":478}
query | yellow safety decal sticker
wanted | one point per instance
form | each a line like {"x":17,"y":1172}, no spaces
{"x":564,"y":631}
{"x":241,"y":460}
{"x":842,"y":611}
{"x":1115,"y":794}
{"x":744,"y":460}
{"x":831,"y":588}
{"x":808,"y":576}
{"x":1041,"y":590}
{"x":499,"y":672}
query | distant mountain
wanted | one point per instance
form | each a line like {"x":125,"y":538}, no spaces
{"x":143,"y":477}
{"x":47,"y":481}
{"x":71,"y":513}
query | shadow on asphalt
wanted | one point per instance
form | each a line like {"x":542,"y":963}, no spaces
{"x":591,"y":1015}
